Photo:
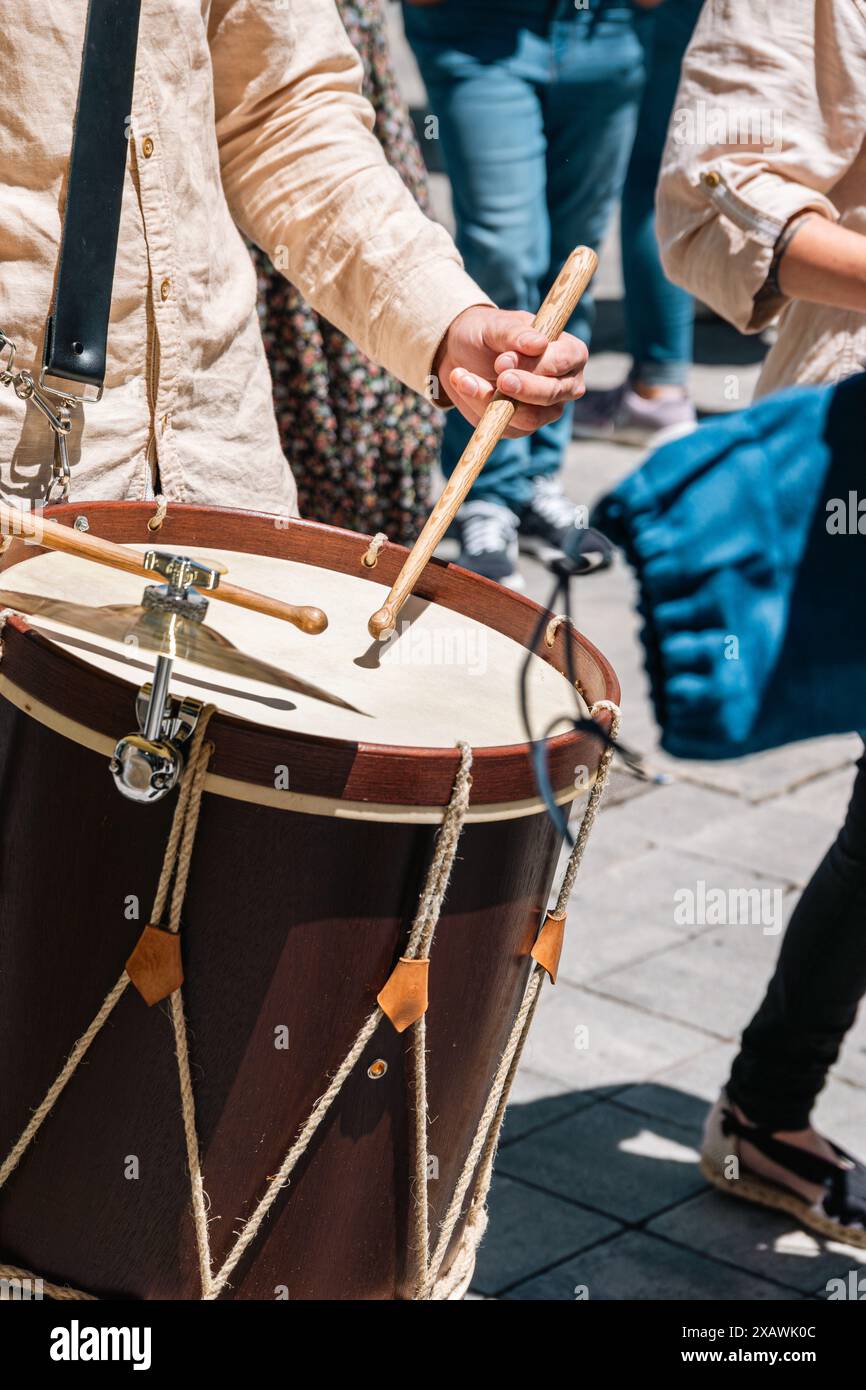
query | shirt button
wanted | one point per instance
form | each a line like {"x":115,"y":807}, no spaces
{"x":147,"y":147}
{"x":165,"y":289}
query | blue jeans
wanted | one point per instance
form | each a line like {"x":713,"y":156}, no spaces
{"x":536,"y":102}
{"x":659,"y":316}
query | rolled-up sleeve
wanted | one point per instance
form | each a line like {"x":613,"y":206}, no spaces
{"x":307,"y":181}
{"x":768,"y":119}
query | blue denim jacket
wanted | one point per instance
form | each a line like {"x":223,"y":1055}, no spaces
{"x":749,"y":542}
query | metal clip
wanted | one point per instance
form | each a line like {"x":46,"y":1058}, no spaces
{"x":60,"y":420}
{"x":61,"y":474}
{"x":7,"y":372}
{"x":27,"y":390}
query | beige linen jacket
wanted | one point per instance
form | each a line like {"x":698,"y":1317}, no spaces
{"x":245,"y":112}
{"x":769,"y":121}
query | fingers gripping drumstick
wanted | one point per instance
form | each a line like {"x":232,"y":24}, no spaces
{"x":51,"y":534}
{"x":550,"y":320}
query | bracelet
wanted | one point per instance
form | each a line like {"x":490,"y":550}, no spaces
{"x":771,"y":286}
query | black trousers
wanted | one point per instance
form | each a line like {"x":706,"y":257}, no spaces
{"x":820,"y":978}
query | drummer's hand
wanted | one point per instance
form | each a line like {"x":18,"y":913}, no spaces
{"x":488,"y":348}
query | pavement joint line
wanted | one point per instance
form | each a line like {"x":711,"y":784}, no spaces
{"x":597,"y":1099}
{"x":651,"y":1013}
{"x":543,"y":1125}
{"x":682,"y":939}
{"x":787,"y":885}
{"x":848,"y":1081}
{"x":726,"y":1264}
{"x":824,"y":773}
{"x":760,"y":798}
{"x":628,"y":1223}
{"x":661,"y":1017}
{"x":555,"y":1264}
{"x":684,"y":780}
{"x":672,"y":1066}
{"x":641,"y":1228}
{"x":612,"y":800}
{"x":575,"y":1202}
{"x":688,"y":1127}
{"x":672,"y":1240}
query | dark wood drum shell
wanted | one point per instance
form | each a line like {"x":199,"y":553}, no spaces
{"x":292,"y":921}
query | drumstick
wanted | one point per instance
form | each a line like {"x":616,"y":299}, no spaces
{"x":32,"y":526}
{"x":550,"y":320}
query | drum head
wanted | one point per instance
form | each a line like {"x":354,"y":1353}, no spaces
{"x":444,"y":677}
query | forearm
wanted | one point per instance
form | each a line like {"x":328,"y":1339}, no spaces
{"x":825,"y":263}
{"x":307,"y":180}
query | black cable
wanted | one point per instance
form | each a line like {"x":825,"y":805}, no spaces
{"x":582,"y":561}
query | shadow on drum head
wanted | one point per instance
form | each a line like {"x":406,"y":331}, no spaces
{"x":272,"y":702}
{"x":370,"y":660}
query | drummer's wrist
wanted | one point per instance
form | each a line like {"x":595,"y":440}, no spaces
{"x":438,"y":395}
{"x":440,"y":370}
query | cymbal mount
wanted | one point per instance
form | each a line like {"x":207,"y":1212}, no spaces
{"x":147,"y":765}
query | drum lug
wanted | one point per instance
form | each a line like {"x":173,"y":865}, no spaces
{"x":147,"y":765}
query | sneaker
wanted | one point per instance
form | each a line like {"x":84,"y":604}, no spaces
{"x":623,"y":417}
{"x":488,"y":542}
{"x":547,"y":520}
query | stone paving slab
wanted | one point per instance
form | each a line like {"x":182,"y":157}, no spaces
{"x":595,"y":947}
{"x":671,"y":815}
{"x":529,"y":1230}
{"x":773,"y":773}
{"x":773,"y":839}
{"x":827,"y":795}
{"x":588,"y":1041}
{"x":852,"y":1064}
{"x":716,"y":979}
{"x":536,"y":1100}
{"x":638,"y":1266}
{"x":765,"y":1242}
{"x":650,"y":890}
{"x":622,"y":787}
{"x":841,"y":1108}
{"x":626,"y":1166}
{"x":682,"y":1093}
{"x":613,"y":841}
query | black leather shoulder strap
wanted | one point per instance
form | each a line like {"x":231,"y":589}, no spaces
{"x":77,"y":329}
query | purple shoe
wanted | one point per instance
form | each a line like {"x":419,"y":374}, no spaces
{"x":623,"y":417}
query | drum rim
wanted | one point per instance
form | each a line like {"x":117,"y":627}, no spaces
{"x":248,"y":752}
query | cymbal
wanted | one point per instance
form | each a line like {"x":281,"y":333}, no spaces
{"x":168,"y":634}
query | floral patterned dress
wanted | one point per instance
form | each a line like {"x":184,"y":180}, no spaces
{"x":360,"y":444}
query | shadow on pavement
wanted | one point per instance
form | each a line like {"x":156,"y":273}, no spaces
{"x":598,"y":1195}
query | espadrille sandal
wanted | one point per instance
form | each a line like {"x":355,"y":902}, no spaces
{"x":840,"y":1213}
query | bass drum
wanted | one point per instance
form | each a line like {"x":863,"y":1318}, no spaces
{"x":317,"y":826}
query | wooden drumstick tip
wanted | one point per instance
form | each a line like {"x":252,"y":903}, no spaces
{"x":382,"y":624}
{"x":312,"y":620}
